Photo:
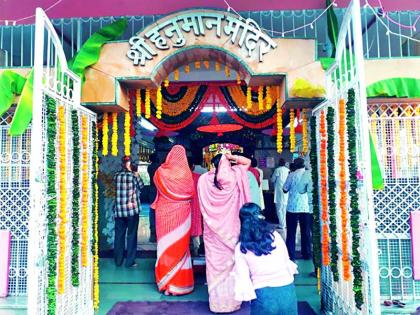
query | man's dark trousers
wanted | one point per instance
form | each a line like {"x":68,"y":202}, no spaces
{"x":128,"y":225}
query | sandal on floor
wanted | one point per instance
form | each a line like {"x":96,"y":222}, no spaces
{"x":388,"y":303}
{"x":398,"y":303}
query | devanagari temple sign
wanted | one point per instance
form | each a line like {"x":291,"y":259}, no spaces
{"x":170,"y":34}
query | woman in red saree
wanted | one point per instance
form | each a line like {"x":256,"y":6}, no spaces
{"x":222,"y":192}
{"x":175,"y":189}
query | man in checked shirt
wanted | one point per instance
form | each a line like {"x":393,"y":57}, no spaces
{"x":127,"y":208}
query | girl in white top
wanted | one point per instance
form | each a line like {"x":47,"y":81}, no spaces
{"x":263,"y":270}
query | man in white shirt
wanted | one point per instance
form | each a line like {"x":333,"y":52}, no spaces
{"x":280,"y":197}
{"x":298,"y":184}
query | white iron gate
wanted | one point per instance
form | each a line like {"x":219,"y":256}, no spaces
{"x":345,"y":74}
{"x":54,"y":215}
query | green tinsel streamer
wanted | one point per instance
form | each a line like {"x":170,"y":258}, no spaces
{"x":354,"y":200}
{"x":76,"y":199}
{"x":331,"y":193}
{"x":51,"y":205}
{"x":316,"y":228}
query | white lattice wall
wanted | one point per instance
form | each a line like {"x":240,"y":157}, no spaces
{"x":395,"y":128}
{"x":14,"y":200}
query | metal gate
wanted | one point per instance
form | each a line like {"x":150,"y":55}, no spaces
{"x":347,"y":73}
{"x":59,"y":167}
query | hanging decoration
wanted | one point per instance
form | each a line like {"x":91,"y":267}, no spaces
{"x":138,"y":103}
{"x":238,"y":79}
{"x":105,"y":140}
{"x":76,"y":200}
{"x":206,"y":64}
{"x":305,"y":131}
{"x":292,"y":134}
{"x":268,"y":98}
{"x":260,"y":98}
{"x":62,"y":189}
{"x":51,"y":206}
{"x":131,"y":110}
{"x":166,"y":82}
{"x":95,"y":217}
{"x":175,"y":101}
{"x":114,"y":136}
{"x":279,"y":128}
{"x":248,"y":98}
{"x":147,"y":104}
{"x":176,"y":75}
{"x":345,"y":258}
{"x":159,"y":103}
{"x":354,"y":199}
{"x":316,"y":237}
{"x":325,"y":241}
{"x":331,"y":191}
{"x":227,"y":72}
{"x":217,"y":66}
{"x":197,"y":65}
{"x":85,"y":192}
{"x":187,"y":69}
{"x":127,"y":137}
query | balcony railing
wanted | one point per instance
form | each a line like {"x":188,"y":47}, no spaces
{"x":17,"y":42}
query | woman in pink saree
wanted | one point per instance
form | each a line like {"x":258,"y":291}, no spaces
{"x":222,"y":192}
{"x":175,"y":189}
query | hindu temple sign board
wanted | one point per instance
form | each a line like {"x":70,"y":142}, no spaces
{"x":170,"y":34}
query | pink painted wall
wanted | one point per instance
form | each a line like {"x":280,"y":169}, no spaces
{"x":14,"y":10}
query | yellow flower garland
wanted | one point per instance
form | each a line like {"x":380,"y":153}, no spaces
{"x":95,"y":231}
{"x":105,"y":139}
{"x":248,"y":98}
{"x":127,"y":138}
{"x":85,"y":192}
{"x":227,"y":72}
{"x":206,"y":64}
{"x":279,"y":126}
{"x":292,"y":131}
{"x":187,"y":69}
{"x":159,"y":103}
{"x":217,"y":66}
{"x":260,"y":98}
{"x":138,"y":103}
{"x":114,"y":136}
{"x":176,"y":74}
{"x":238,"y":78}
{"x":175,"y":109}
{"x":197,"y":65}
{"x":268,"y":99}
{"x":304,"y":131}
{"x":242,"y":99}
{"x":147,"y":104}
{"x":62,"y":186}
{"x":166,"y":82}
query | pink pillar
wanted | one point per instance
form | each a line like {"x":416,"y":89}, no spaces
{"x":415,"y":242}
{"x":5,"y":238}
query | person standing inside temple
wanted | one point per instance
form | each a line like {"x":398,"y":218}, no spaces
{"x":197,"y":160}
{"x":280,"y":197}
{"x":196,"y":217}
{"x":254,"y":164}
{"x":222,"y":192}
{"x":298,"y":210}
{"x":151,"y":170}
{"x":127,"y":208}
{"x":175,"y":191}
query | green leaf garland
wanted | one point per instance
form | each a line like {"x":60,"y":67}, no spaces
{"x":331,"y":192}
{"x":316,"y":228}
{"x":51,"y":205}
{"x":94,"y":181}
{"x":354,"y":200}
{"x":76,"y":199}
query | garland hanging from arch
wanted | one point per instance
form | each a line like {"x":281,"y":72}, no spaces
{"x":76,"y":200}
{"x":354,"y":200}
{"x":331,"y":191}
{"x":105,"y":136}
{"x":95,"y":216}
{"x":85,"y":191}
{"x":248,"y":100}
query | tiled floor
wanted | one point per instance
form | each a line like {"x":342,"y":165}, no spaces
{"x":137,"y":284}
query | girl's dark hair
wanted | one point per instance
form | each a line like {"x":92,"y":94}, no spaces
{"x":215,"y":161}
{"x":256,"y":234}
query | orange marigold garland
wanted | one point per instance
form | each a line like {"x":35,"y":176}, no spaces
{"x":176,"y":74}
{"x":248,"y":98}
{"x":187,"y":69}
{"x":197,"y":65}
{"x":105,"y":137}
{"x":238,"y":78}
{"x":206,"y":64}
{"x":166,"y":82}
{"x":268,"y":98}
{"x":279,"y":126}
{"x":304,"y":131}
{"x":138,"y":103}
{"x":127,"y":137}
{"x":159,"y":103}
{"x":217,"y":66}
{"x":292,"y":134}
{"x":260,"y":98}
{"x":85,"y":192}
{"x":325,"y":241}
{"x":345,"y":257}
{"x":227,"y":72}
{"x":114,"y":136}
{"x":147,"y":104}
{"x":62,"y":186}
